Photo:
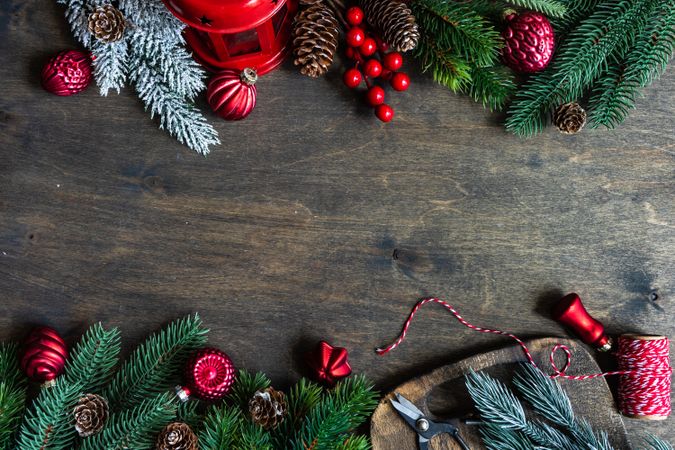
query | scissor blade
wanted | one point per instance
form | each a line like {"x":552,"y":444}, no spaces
{"x":408,"y":404}
{"x":409,"y":416}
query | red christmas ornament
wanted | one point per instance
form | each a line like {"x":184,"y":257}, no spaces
{"x":352,"y":78}
{"x":232,"y":94}
{"x":571,"y":312}
{"x":400,"y":81}
{"x":375,"y":96}
{"x":392,"y":61}
{"x":44,"y":355}
{"x":372,"y":68}
{"x":385,"y":113}
{"x":529,"y":42}
{"x":354,"y":16}
{"x":209,"y":375}
{"x":328,"y":363}
{"x":67,"y":73}
{"x":355,"y":37}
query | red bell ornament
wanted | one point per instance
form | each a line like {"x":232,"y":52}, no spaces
{"x":571,"y":312}
{"x":232,"y":94}
{"x":67,"y":73}
{"x":528,"y":42}
{"x":236,"y":34}
{"x":44,"y":355}
{"x":328,"y":363}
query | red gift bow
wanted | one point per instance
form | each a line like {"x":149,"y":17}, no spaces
{"x":329,"y":363}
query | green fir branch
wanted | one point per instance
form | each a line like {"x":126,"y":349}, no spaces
{"x":12,"y":394}
{"x":252,"y":436}
{"x":491,"y":86}
{"x":577,"y":10}
{"x":190,"y":413}
{"x":135,"y":428}
{"x":450,"y":70}
{"x":93,"y":360}
{"x":552,"y":8}
{"x":580,"y":61}
{"x":356,"y":443}
{"x":301,"y":399}
{"x":246,"y":386}
{"x":656,"y":443}
{"x":154,"y":366}
{"x":221,"y":425}
{"x":497,"y":438}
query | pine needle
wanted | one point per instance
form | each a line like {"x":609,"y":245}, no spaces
{"x":221,"y":426}
{"x":552,"y":8}
{"x":12,"y":394}
{"x":246,"y":386}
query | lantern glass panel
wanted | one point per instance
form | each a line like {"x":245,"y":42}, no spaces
{"x":243,"y":43}
{"x":278,"y":18}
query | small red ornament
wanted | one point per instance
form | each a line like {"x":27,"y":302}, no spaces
{"x":354,"y":16}
{"x":352,"y":78}
{"x":375,"y":96}
{"x":232,"y":94}
{"x":529,"y":42}
{"x":67,"y":73}
{"x":372,"y":68}
{"x":355,"y":37}
{"x":400,"y":81}
{"x":209,"y":375}
{"x":392,"y":61}
{"x":369,"y":47}
{"x":384,"y":112}
{"x":44,"y":355}
{"x":329,"y":363}
{"x":571,"y":312}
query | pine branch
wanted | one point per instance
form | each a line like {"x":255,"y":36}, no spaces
{"x":252,"y":436}
{"x":577,"y":10}
{"x":12,"y":394}
{"x":496,"y":438}
{"x":77,"y":14}
{"x":491,"y":86}
{"x":221,"y":426}
{"x":110,"y":65}
{"x":93,"y":360}
{"x":656,"y":443}
{"x":301,"y":399}
{"x":189,"y":413}
{"x":356,"y":443}
{"x":578,"y":64}
{"x":447,"y":69}
{"x":552,"y":8}
{"x":153,"y":367}
{"x":135,"y":428}
{"x":246,"y":385}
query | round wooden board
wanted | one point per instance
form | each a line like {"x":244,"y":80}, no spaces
{"x":442,"y":395}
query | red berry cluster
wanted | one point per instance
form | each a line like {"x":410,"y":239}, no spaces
{"x":362,"y":50}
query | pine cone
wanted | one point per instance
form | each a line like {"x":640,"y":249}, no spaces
{"x":91,"y":413}
{"x":268,"y":407}
{"x":177,"y":436}
{"x":315,"y":39}
{"x":395,"y":22}
{"x":107,"y":23}
{"x":570,"y":118}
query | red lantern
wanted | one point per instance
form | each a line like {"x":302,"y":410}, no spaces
{"x":236,"y":34}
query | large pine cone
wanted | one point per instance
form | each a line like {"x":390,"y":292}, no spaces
{"x":91,"y":414}
{"x":395,"y":22}
{"x":177,"y":436}
{"x":107,"y":23}
{"x":268,"y":407}
{"x":315,"y":39}
{"x":570,"y":118}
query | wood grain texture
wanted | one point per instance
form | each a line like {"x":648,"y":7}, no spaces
{"x":442,"y":395}
{"x":313,"y":220}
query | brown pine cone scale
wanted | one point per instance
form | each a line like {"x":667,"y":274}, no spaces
{"x":268,"y":407}
{"x":107,"y":23}
{"x":315,"y":39}
{"x":177,"y":436}
{"x":570,"y":118}
{"x":395,"y":22}
{"x":91,"y":414}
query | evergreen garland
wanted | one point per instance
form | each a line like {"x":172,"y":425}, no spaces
{"x":12,"y":394}
{"x":152,"y":57}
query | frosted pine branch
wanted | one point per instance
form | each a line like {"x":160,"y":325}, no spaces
{"x":111,"y":62}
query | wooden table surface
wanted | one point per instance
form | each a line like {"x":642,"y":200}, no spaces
{"x":314,"y":221}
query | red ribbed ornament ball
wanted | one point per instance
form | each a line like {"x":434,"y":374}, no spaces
{"x":67,"y":73}
{"x":529,"y":42}
{"x":44,"y":355}
{"x":209,"y":374}
{"x":232,"y":94}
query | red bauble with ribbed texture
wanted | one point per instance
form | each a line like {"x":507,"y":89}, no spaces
{"x":209,"y":374}
{"x":232,"y":94}
{"x":529,"y":42}
{"x":44,"y":355}
{"x":67,"y":73}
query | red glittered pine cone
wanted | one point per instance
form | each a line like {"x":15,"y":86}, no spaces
{"x":44,"y":355}
{"x":209,"y":374}
{"x":67,"y":73}
{"x":329,"y":364}
{"x":528,"y":42}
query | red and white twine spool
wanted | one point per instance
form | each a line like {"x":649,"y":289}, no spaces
{"x":644,"y":366}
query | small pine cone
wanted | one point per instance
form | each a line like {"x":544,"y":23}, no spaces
{"x":107,"y":23}
{"x":315,"y":39}
{"x":177,"y":436}
{"x":268,"y":407}
{"x":91,"y":414}
{"x":395,"y":22}
{"x":570,"y":118}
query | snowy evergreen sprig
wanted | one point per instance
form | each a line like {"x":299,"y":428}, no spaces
{"x":152,"y":57}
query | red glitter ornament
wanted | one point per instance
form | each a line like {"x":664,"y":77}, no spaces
{"x":44,"y":355}
{"x":571,"y":312}
{"x":329,"y":363}
{"x":67,"y":73}
{"x":209,"y":375}
{"x":232,"y":94}
{"x":529,"y":42}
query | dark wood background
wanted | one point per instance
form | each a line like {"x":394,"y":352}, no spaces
{"x":313,"y":220}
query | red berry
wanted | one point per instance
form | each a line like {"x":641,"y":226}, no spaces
{"x":384,"y":112}
{"x":354,"y":15}
{"x":355,"y":37}
{"x":368,"y":47}
{"x":393,"y":61}
{"x":381,"y":45}
{"x":375,"y":96}
{"x":400,"y":81}
{"x":372,"y":68}
{"x":352,"y":78}
{"x":349,"y":53}
{"x":386,"y":74}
